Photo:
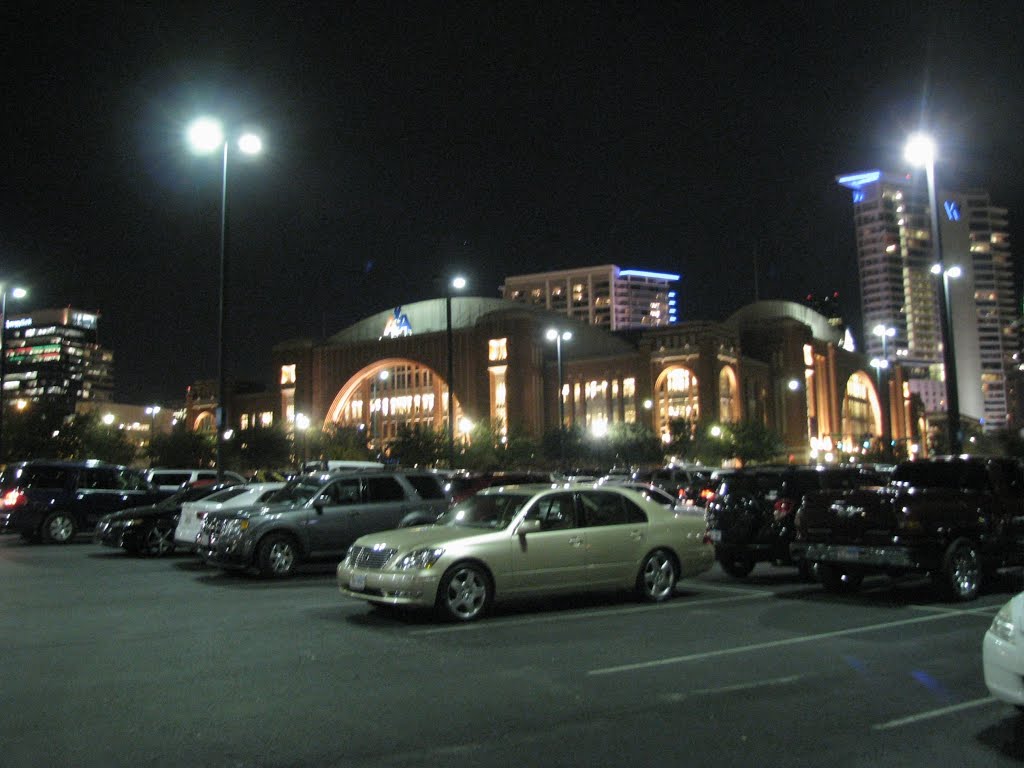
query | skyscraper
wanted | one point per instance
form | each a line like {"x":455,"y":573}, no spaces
{"x":899,"y":290}
{"x":614,"y":298}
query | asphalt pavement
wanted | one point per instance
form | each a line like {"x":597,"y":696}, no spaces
{"x":111,"y":660}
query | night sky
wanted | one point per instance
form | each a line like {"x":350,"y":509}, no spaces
{"x":406,"y":141}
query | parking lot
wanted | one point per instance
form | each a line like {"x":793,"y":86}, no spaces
{"x":112,"y":660}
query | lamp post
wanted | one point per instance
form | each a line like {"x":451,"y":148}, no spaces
{"x":301,"y":425}
{"x":558,"y":337}
{"x":457,"y":283}
{"x":376,"y":415}
{"x":206,"y":135}
{"x":920,"y":150}
{"x":884,"y":332}
{"x":16,"y":293}
{"x":152,"y":411}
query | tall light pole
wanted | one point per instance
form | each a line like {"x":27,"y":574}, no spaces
{"x":884,"y":332}
{"x":206,"y":135}
{"x":16,"y":293}
{"x":457,"y":283}
{"x":920,"y":150}
{"x":152,"y":411}
{"x":558,"y":337}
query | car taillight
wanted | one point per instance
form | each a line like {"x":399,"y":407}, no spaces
{"x":782,"y":508}
{"x":708,"y":495}
{"x":200,"y":515}
{"x":13,"y":498}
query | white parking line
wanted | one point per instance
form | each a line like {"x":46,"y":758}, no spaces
{"x":772,"y":644}
{"x":678,"y":603}
{"x":932,"y":714}
{"x":748,"y":686}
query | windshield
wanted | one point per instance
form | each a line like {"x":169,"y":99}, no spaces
{"x":297,"y":491}
{"x":485,"y":511}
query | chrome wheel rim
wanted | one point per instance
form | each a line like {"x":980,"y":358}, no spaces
{"x":659,"y":576}
{"x":61,"y":528}
{"x":466,"y":593}
{"x":965,"y":571}
{"x":158,"y":540}
{"x":281,"y":557}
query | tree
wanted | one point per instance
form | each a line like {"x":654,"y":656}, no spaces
{"x":752,"y":441}
{"x":182,"y":447}
{"x":419,"y":446}
{"x":86,"y":437}
{"x":259,"y":448}
{"x":336,"y":442}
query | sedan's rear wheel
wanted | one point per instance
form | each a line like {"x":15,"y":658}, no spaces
{"x":58,"y":528}
{"x":465,"y":592}
{"x":657,"y":578}
{"x":736,"y":563}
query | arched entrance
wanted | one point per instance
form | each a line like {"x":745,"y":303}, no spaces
{"x":728,"y":395}
{"x":676,"y":397}
{"x":389,"y":394}
{"x":862,"y":411}
{"x":205,"y":422}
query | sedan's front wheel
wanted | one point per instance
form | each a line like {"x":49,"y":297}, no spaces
{"x":159,"y":540}
{"x":465,"y":592}
{"x":657,"y":578}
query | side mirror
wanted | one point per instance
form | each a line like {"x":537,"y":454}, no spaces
{"x":528,"y":526}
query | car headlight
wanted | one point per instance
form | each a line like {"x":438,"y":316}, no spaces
{"x":1002,"y":625}
{"x":419,"y":559}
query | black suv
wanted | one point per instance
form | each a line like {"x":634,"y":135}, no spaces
{"x":750,"y":517}
{"x":53,"y":500}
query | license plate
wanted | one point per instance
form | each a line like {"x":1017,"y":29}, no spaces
{"x":203,"y":540}
{"x":714,"y":535}
{"x":357,"y":582}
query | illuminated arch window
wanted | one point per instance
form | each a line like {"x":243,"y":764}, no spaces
{"x":728,"y":399}
{"x":678,"y":397}
{"x":861,"y":409}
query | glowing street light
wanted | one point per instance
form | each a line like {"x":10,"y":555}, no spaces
{"x":558,"y":336}
{"x":457,"y":283}
{"x":16,"y":293}
{"x":206,"y":135}
{"x":921,"y":151}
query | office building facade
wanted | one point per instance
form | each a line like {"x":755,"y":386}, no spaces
{"x":899,"y":291}
{"x":53,"y":357}
{"x":606,"y":296}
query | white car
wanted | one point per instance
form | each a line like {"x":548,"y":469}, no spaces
{"x":173,"y":479}
{"x":1002,"y":653}
{"x":193,"y":512}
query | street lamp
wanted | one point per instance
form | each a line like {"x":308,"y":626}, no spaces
{"x":16,"y":293}
{"x":920,"y":150}
{"x":152,"y":411}
{"x":457,"y":283}
{"x":206,"y":135}
{"x":301,"y":425}
{"x":376,"y":415}
{"x":558,"y":337}
{"x":884,"y":332}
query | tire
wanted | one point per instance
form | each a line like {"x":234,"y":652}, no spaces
{"x":656,"y":581}
{"x":58,"y":528}
{"x":277,"y":556}
{"x":736,"y":563}
{"x":158,"y":541}
{"x":839,"y":580}
{"x":465,"y":592}
{"x":961,"y":575}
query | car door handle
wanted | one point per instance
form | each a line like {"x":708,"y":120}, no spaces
{"x":636,"y":535}
{"x":576,"y":541}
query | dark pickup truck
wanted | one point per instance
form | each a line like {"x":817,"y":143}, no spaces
{"x":958,"y":519}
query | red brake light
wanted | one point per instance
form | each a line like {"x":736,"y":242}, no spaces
{"x":782,"y":508}
{"x":13,"y":498}
{"x":708,"y":495}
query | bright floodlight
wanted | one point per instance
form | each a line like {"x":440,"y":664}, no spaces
{"x":954,"y":272}
{"x":936,"y":269}
{"x":250,"y":143}
{"x":458,"y":282}
{"x":920,"y":150}
{"x":552,"y":334}
{"x":205,"y":134}
{"x":19,"y":293}
{"x":881,"y":330}
{"x":302,"y":421}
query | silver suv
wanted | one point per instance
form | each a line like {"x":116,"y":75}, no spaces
{"x":317,"y":516}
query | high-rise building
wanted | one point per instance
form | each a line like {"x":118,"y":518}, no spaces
{"x":607,"y":296}
{"x":899,"y":290}
{"x":54,"y":356}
